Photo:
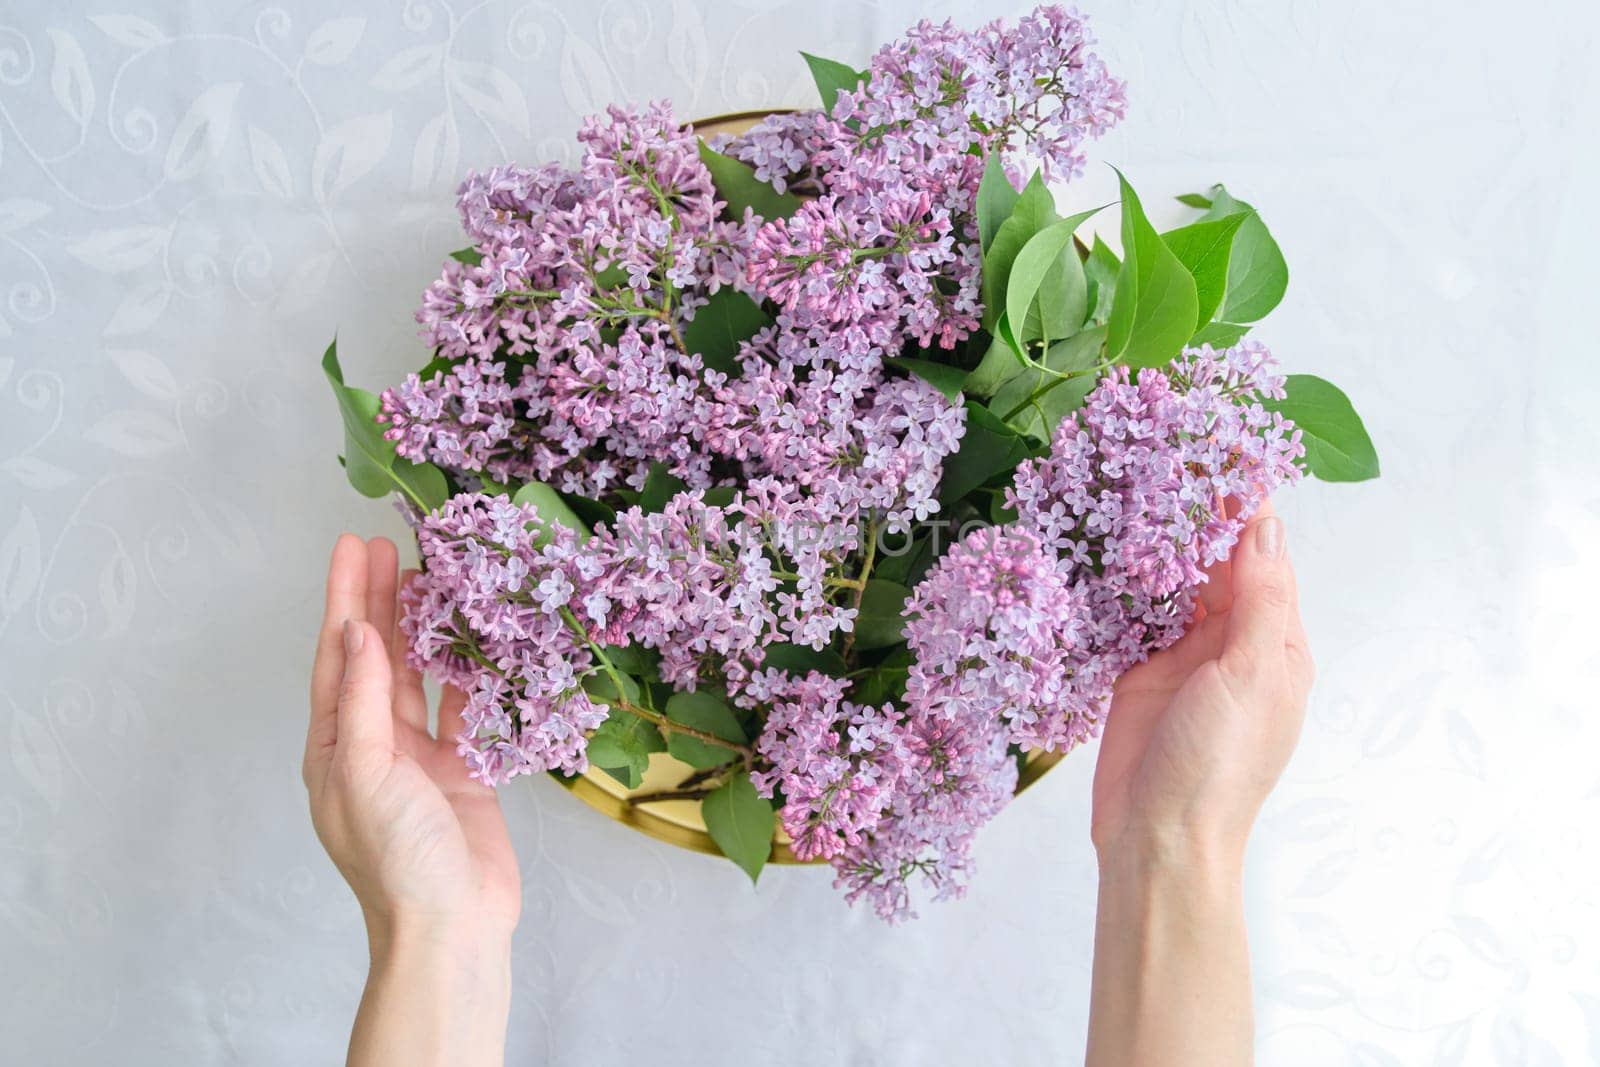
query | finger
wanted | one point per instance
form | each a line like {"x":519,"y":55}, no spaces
{"x":383,"y":565}
{"x":455,"y":779}
{"x":1301,"y":664}
{"x":1216,"y":592}
{"x":1257,"y":623}
{"x":410,"y":702}
{"x":452,"y":702}
{"x":346,"y":598}
{"x":366,"y":713}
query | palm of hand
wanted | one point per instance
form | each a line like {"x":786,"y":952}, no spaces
{"x":1198,"y":734}
{"x":392,"y":802}
{"x":439,"y":842}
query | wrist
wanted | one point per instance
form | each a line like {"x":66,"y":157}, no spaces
{"x":1203,"y":862}
{"x":438,"y":991}
{"x":464,"y":960}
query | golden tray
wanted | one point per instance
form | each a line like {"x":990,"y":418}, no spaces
{"x":678,"y":822}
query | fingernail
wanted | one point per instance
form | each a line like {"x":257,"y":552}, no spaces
{"x":1269,"y":537}
{"x":352,"y":637}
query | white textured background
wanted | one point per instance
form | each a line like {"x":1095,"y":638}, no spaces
{"x":193,"y":198}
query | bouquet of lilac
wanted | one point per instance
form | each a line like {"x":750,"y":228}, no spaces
{"x":827,"y":458}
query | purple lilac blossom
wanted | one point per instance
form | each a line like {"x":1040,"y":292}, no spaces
{"x":1151,"y":482}
{"x":566,"y":364}
{"x":485,"y":615}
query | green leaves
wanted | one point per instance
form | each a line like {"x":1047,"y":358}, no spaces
{"x":881,"y":619}
{"x":832,"y":78}
{"x":997,"y":198}
{"x":741,"y":823}
{"x":1045,"y":399}
{"x":470,"y":256}
{"x":702,"y":711}
{"x":1046,"y":291}
{"x":1100,"y":270}
{"x":1001,"y":361}
{"x":989,"y":447}
{"x":739,"y":187}
{"x":370,"y":462}
{"x":660,"y":486}
{"x":798,"y":659}
{"x":551,"y":508}
{"x":1155,"y":305}
{"x":718,"y":328}
{"x":1257,"y":273}
{"x":1337,"y":446}
{"x":622,"y":746}
{"x":1219,"y":334}
{"x":1204,"y":249}
{"x":1033,"y":209}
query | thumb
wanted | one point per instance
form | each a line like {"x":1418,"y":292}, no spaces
{"x":1258,"y":620}
{"x":366,"y":705}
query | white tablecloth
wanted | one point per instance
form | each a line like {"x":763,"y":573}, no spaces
{"x":194,"y":198}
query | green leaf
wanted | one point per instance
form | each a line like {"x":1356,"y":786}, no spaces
{"x":884,"y":682}
{"x":718,"y":328}
{"x":1257,"y":273}
{"x":989,"y":447}
{"x":551,"y":508}
{"x":590,"y":513}
{"x":436,"y":365}
{"x":798,"y":659}
{"x":1194,"y":200}
{"x":740,"y":821}
{"x":1034,"y":209}
{"x":704,"y":712}
{"x":603,"y":687}
{"x":1153,"y":310}
{"x":881,"y":618}
{"x":719,"y":496}
{"x":738,"y":186}
{"x":660,"y":486}
{"x":1219,"y":335}
{"x":1338,"y":448}
{"x":469,"y":256}
{"x":1047,"y":270}
{"x":636,"y":660}
{"x":369,"y":458}
{"x":1204,"y":248}
{"x":1040,"y":419}
{"x":898,"y":560}
{"x":999,"y":363}
{"x":943,"y":377}
{"x":832,"y":78}
{"x":621,"y":747}
{"x":997,"y":198}
{"x":1100,"y":271}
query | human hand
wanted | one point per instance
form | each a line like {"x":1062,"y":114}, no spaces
{"x":1198,"y":734}
{"x":423,"y":845}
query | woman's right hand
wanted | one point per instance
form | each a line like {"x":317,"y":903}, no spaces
{"x":1199,"y":733}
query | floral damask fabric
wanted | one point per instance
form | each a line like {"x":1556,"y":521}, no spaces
{"x":194,"y":197}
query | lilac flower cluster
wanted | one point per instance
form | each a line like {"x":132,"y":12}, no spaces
{"x":887,"y":244}
{"x":562,"y":359}
{"x":886,"y":794}
{"x":489,"y":619}
{"x":585,"y":281}
{"x":1018,"y":633}
{"x":1152,"y":481}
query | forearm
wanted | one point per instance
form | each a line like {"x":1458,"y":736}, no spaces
{"x":435,"y":995}
{"x":1171,"y":964}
